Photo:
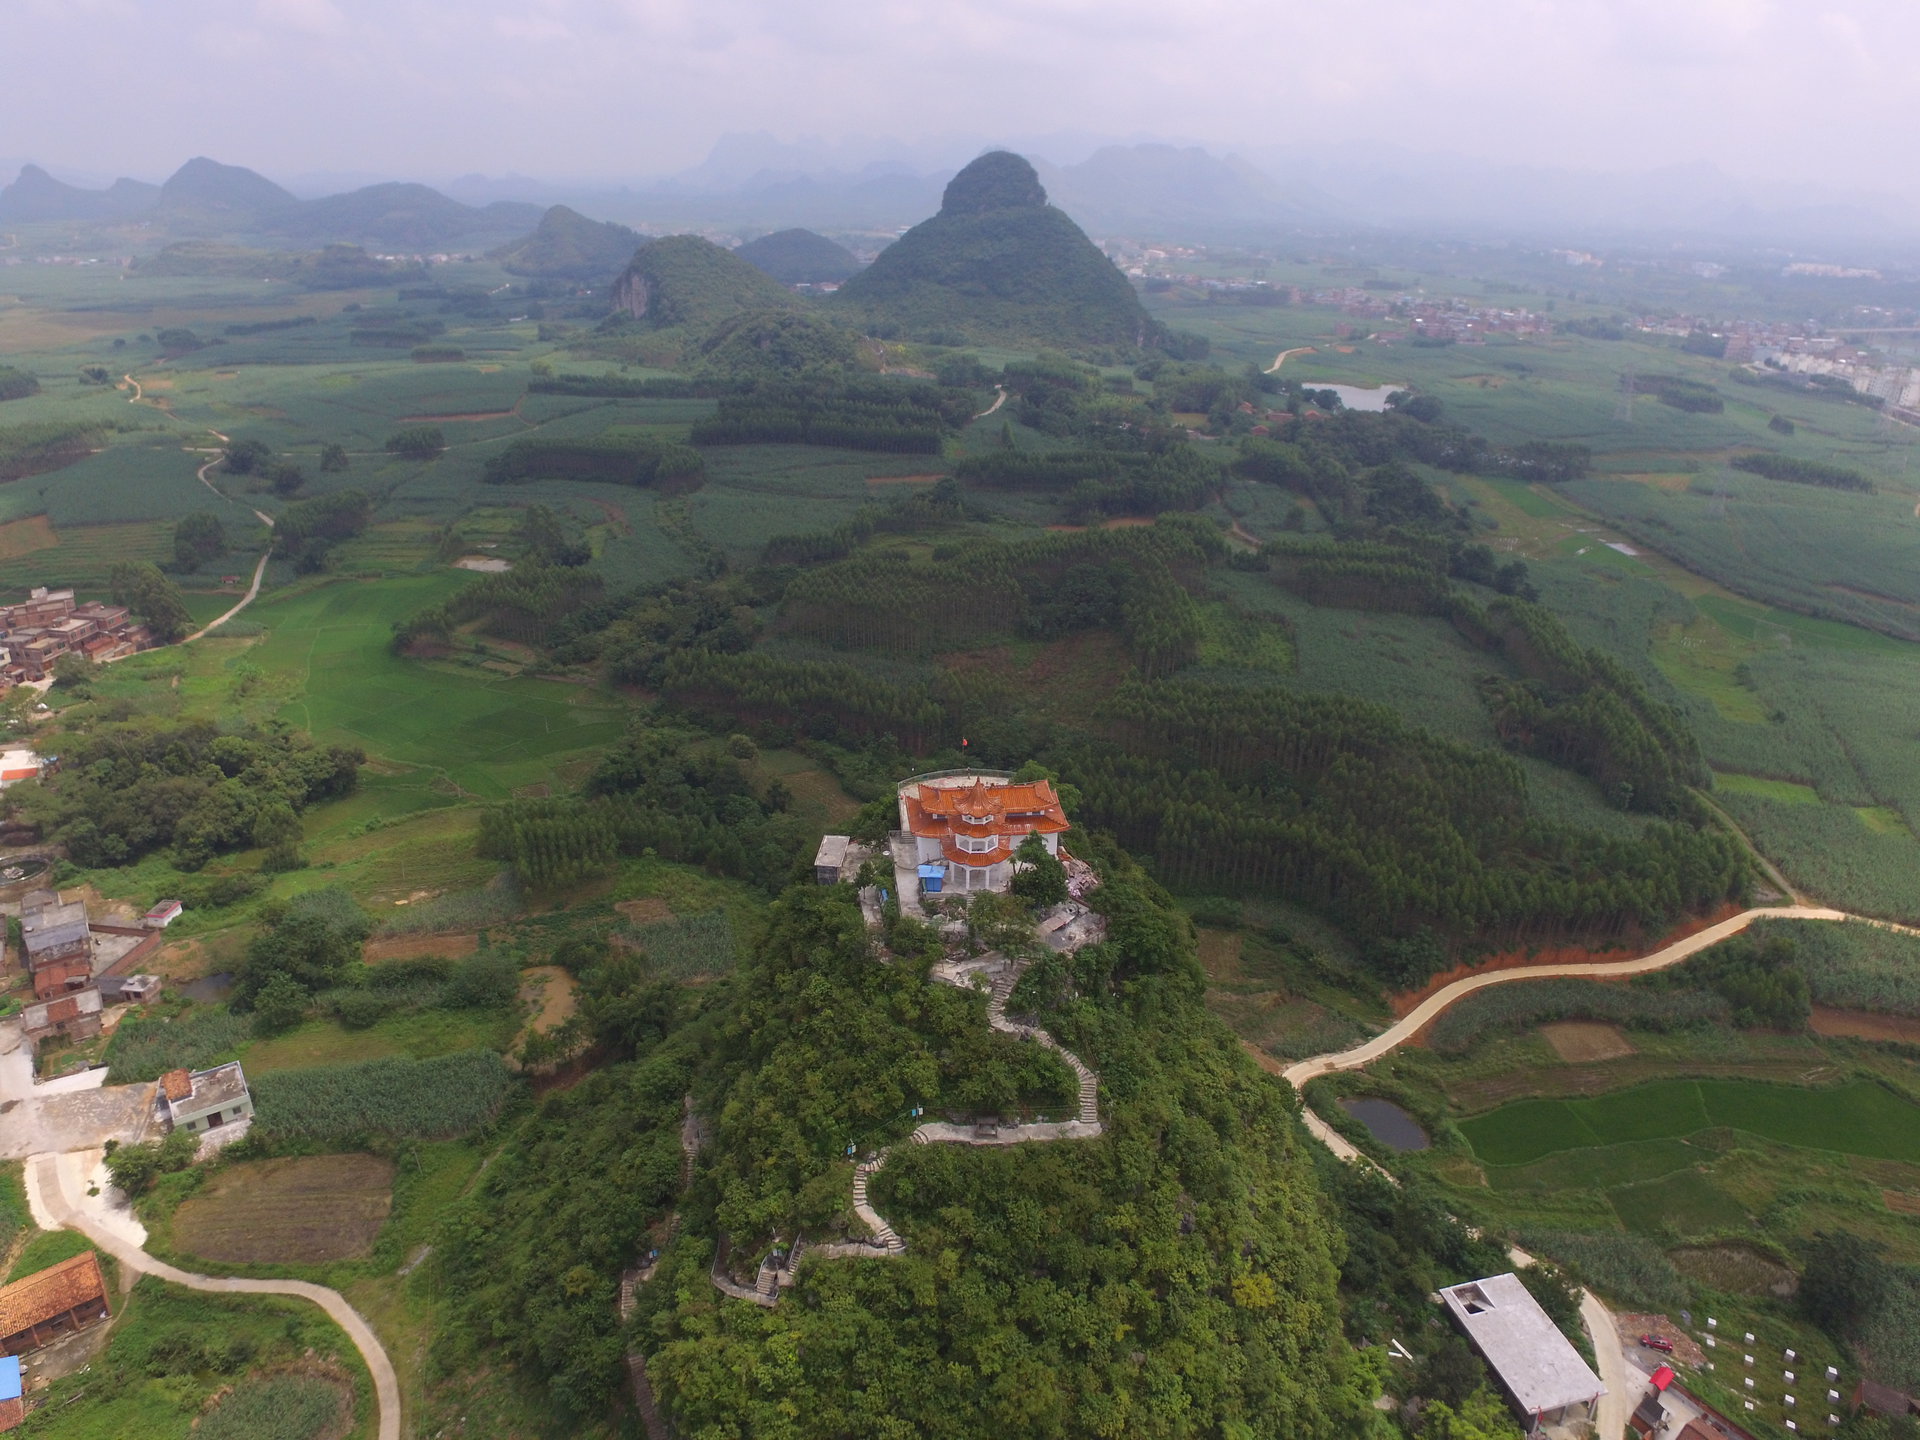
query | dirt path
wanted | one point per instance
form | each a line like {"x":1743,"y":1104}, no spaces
{"x":259,"y":570}
{"x":1281,"y":358}
{"x":1000,"y":398}
{"x":253,"y":592}
{"x":44,"y":1175}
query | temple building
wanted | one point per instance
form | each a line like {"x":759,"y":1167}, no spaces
{"x":968,"y":824}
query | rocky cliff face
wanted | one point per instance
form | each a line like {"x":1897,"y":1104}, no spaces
{"x":632,"y":295}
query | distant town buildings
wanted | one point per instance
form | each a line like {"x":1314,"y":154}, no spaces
{"x":48,"y":624}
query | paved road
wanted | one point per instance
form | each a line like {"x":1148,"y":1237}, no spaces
{"x":1623,"y":1388}
{"x":44,"y":1175}
{"x":1430,"y":1009}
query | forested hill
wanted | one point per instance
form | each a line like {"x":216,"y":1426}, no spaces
{"x":684,"y":280}
{"x":567,"y":245}
{"x":998,"y":263}
{"x":799,"y":257}
{"x":1175,"y":1277}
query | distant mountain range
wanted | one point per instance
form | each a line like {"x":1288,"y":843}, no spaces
{"x":205,"y":198}
{"x":752,"y":183}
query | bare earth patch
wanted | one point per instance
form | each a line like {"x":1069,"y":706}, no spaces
{"x":903,"y":479}
{"x":309,"y":1208}
{"x":1220,"y":954}
{"x":448,"y":419}
{"x":25,"y":537}
{"x":1900,"y":1202}
{"x":1579,"y":1041}
{"x":552,"y":989}
{"x":412,"y":947}
{"x":1865,"y":1025}
{"x":644,"y":912}
{"x":1686,"y":1349}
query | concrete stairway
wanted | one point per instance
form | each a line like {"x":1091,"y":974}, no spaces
{"x":882,"y":1231}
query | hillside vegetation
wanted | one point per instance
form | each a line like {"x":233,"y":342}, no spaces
{"x":799,"y":257}
{"x":1000,"y":264}
{"x":684,"y":280}
{"x":567,"y":245}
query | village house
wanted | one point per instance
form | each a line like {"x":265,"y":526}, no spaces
{"x":18,"y":765}
{"x":966,"y":826}
{"x":58,"y":942}
{"x":48,"y":624}
{"x":51,"y":1303}
{"x":70,"y":1017}
{"x":201,"y":1100}
{"x":1544,"y":1378}
{"x":13,"y":1405}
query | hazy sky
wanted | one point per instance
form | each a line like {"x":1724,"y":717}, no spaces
{"x":632,"y":88}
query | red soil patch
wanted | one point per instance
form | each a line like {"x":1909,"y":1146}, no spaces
{"x":644,"y":912}
{"x":412,"y":947}
{"x":1405,"y":1002}
{"x":1865,"y":1025}
{"x":448,"y":419}
{"x":615,"y":517}
{"x":903,"y":479}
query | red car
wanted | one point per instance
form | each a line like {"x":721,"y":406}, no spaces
{"x":1657,"y":1342}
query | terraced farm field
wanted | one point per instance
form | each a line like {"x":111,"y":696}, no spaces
{"x":1862,"y":1119}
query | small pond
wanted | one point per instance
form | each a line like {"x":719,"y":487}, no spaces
{"x":1389,"y":1124}
{"x":208,"y":988}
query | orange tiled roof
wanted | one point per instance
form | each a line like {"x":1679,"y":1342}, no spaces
{"x":176,"y":1085}
{"x":976,"y":858}
{"x":50,"y":1292}
{"x":983,"y":810}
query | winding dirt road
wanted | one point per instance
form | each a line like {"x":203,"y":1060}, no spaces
{"x":1621,"y":1382}
{"x":999,"y":399}
{"x":259,"y":570}
{"x":45,"y":1175}
{"x":1281,"y":358}
{"x":1430,"y":1009}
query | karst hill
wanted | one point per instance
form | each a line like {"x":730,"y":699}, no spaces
{"x":998,"y":263}
{"x":800,"y":257}
{"x":567,"y":245}
{"x":685,"y":280}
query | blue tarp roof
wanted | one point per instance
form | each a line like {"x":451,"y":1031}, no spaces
{"x":9,"y":1377}
{"x":933,"y":872}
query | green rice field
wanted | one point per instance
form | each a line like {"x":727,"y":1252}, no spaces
{"x":1861,"y":1118}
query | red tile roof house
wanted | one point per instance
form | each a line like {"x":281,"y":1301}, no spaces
{"x":51,"y":1302}
{"x":971,"y":823}
{"x":201,"y":1100}
{"x":75,"y":1016}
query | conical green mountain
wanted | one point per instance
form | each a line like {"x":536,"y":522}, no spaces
{"x":567,"y":245}
{"x":799,"y":257}
{"x":998,"y":263}
{"x":684,"y":280}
